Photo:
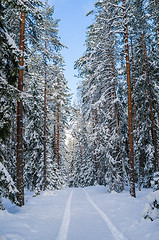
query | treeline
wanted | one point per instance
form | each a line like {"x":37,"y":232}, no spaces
{"x":116,"y":134}
{"x":34,"y":100}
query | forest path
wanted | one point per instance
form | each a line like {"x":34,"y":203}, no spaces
{"x":62,"y":234}
{"x":115,"y":232}
{"x":83,"y":220}
{"x":78,"y":214}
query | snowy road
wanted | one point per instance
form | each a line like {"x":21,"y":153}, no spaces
{"x":62,"y":234}
{"x":78,"y":214}
{"x":83,"y":220}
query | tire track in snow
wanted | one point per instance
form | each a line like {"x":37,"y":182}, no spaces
{"x":62,"y":234}
{"x":116,"y":233}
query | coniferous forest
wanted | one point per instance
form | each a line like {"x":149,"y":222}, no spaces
{"x":111,"y":136}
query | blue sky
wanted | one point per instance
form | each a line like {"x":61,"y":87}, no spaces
{"x":72,"y":30}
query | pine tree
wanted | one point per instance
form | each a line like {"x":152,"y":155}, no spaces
{"x":144,"y":149}
{"x":51,"y":45}
{"x":20,"y":185}
{"x":130,"y":119}
{"x":98,"y":91}
{"x":12,"y":11}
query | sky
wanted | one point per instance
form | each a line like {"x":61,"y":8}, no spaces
{"x":72,"y":31}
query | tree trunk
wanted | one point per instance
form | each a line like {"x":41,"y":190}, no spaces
{"x":80,"y":150}
{"x":45,"y":109}
{"x":94,"y":121}
{"x":151,"y":108}
{"x":20,"y":184}
{"x":115,"y":110}
{"x":134,"y":87}
{"x":57,"y":137}
{"x":157,"y":32}
{"x":130,"y":119}
{"x":135,"y":109}
{"x":110,"y":93}
{"x":80,"y":147}
{"x":54,"y":140}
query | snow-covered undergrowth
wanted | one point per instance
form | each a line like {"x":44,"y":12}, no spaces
{"x":78,"y":214}
{"x":151,"y":210}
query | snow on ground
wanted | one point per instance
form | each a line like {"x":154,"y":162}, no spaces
{"x":79,"y":214}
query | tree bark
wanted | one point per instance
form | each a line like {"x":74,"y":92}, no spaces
{"x":134,"y":86}
{"x":45,"y":90}
{"x":157,"y":32}
{"x":130,"y":119}
{"x":94,"y":122}
{"x":20,"y":184}
{"x":135,"y":110}
{"x":80,"y":149}
{"x":54,"y":140}
{"x":57,"y":136}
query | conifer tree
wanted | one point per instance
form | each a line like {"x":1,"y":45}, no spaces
{"x":8,"y":94}
{"x":59,"y":106}
{"x":82,"y":168}
{"x":33,"y":154}
{"x":51,"y":45}
{"x":20,"y":184}
{"x":144,"y":153}
{"x":130,"y":119}
{"x":98,"y":91}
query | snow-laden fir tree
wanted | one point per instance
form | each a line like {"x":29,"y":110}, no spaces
{"x":145,"y":88}
{"x":33,"y":154}
{"x":51,"y":46}
{"x":58,"y":101}
{"x":98,"y":91}
{"x":8,"y":95}
{"x":7,"y":186}
{"x":81,"y":166}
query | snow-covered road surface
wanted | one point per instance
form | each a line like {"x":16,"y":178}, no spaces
{"x":78,"y":214}
{"x":116,"y":233}
{"x":80,"y":221}
{"x":85,"y":221}
{"x":62,"y":234}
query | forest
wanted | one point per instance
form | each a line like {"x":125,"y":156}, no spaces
{"x":111,"y":136}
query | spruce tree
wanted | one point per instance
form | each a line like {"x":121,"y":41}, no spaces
{"x":33,"y":154}
{"x":8,"y":94}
